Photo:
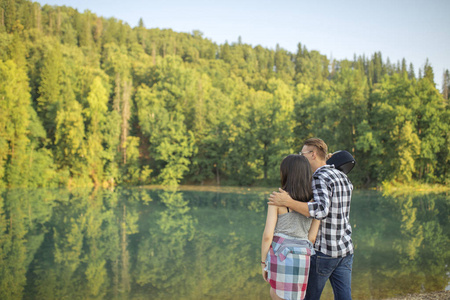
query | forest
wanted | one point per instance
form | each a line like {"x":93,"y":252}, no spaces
{"x":90,"y":101}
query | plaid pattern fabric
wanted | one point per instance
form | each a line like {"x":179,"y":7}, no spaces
{"x":332,"y":193}
{"x":287,"y":264}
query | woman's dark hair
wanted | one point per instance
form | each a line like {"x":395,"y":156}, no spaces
{"x":296,"y":174}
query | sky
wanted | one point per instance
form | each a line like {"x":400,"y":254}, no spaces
{"x":416,"y":30}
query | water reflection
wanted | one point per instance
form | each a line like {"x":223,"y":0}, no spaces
{"x":154,"y":244}
{"x":402,"y":244}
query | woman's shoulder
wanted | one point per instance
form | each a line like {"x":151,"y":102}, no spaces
{"x":282,"y":211}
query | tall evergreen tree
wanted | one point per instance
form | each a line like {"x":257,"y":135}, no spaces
{"x":70,"y":149}
{"x":432,"y":125}
{"x":96,"y":114}
{"x":446,"y":85}
{"x":14,"y":122}
{"x":48,"y":102}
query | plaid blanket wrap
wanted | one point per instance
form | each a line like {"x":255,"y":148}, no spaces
{"x":287,"y":264}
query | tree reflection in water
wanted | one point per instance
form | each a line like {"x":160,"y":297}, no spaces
{"x":153,"y":244}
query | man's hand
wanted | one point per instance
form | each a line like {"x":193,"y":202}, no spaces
{"x":280,"y":198}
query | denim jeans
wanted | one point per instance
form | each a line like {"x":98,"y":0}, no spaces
{"x":338,"y":270}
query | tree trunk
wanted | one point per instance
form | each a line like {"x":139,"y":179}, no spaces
{"x":217,"y":175}
{"x":125,"y":117}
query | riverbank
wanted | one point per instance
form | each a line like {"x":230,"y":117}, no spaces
{"x":443,"y":295}
{"x":391,"y":188}
{"x":413,"y":187}
{"x":214,"y":188}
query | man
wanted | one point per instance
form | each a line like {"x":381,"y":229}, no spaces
{"x":332,"y":191}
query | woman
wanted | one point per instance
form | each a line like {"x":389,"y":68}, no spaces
{"x":288,"y":237}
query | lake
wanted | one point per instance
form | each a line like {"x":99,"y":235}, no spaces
{"x":199,"y":243}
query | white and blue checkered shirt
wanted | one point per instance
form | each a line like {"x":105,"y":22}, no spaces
{"x":332,"y":194}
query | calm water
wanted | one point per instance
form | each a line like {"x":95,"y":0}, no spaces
{"x":155,"y":244}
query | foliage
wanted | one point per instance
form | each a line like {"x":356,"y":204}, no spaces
{"x":86,"y":100}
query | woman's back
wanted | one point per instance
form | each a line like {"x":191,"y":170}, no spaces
{"x":293,"y":224}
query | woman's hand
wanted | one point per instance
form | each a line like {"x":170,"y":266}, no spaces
{"x":264,"y":272}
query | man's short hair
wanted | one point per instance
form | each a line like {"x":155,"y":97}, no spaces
{"x":319,"y":144}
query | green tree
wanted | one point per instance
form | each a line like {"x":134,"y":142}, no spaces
{"x":311,"y":68}
{"x":350,"y":93}
{"x":171,"y":144}
{"x":96,"y":114}
{"x":14,"y":122}
{"x":70,"y":148}
{"x":393,"y":134}
{"x":432,"y":127}
{"x":49,"y":89}
{"x":271,"y":123}
{"x":161,"y":118}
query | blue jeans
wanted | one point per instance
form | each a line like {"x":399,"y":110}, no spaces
{"x":338,"y":270}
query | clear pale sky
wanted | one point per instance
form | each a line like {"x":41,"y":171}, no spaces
{"x":410,"y":29}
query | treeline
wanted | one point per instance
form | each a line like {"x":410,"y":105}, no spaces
{"x":86,"y":100}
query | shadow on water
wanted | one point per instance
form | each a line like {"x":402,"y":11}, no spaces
{"x":162,"y":244}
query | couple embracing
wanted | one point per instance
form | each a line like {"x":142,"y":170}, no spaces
{"x":307,"y":237}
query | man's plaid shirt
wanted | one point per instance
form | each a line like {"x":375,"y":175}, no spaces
{"x":332,"y":194}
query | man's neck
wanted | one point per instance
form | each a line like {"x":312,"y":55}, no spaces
{"x":318,"y":165}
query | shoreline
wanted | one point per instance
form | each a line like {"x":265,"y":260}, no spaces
{"x":386,"y":189}
{"x":412,"y":188}
{"x":441,"y":295}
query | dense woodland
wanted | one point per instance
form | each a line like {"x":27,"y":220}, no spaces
{"x":87,"y":101}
